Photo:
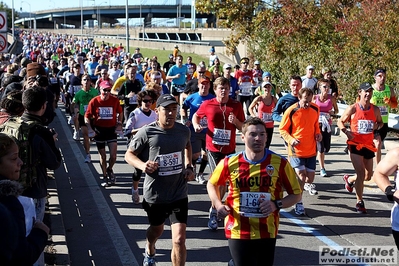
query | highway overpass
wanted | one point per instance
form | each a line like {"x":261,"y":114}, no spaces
{"x":56,"y":18}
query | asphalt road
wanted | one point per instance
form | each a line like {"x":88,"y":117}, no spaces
{"x":103,"y":226}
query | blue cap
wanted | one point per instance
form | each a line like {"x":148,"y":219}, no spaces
{"x":266,"y":74}
{"x":212,"y":49}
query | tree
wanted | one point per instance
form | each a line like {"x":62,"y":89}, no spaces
{"x":351,"y":37}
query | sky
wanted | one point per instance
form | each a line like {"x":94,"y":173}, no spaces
{"x":29,"y":5}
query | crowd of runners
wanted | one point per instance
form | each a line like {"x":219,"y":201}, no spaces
{"x":179,"y":114}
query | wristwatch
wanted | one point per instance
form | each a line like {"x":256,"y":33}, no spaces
{"x":278,"y":203}
{"x":389,"y":191}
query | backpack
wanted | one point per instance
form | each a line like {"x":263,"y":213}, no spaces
{"x":21,"y":132}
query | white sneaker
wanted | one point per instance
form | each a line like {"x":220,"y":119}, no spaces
{"x":88,"y":158}
{"x":76,"y":135}
{"x":311,"y":188}
{"x":135,"y":196}
{"x":200,"y":178}
{"x":299,"y":209}
{"x":70,"y":120}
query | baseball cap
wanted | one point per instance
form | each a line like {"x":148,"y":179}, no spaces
{"x":256,"y":62}
{"x":25,"y":61}
{"x":244,"y":59}
{"x":204,"y":80}
{"x":365,"y":86}
{"x":170,"y":56}
{"x":138,"y":48}
{"x":266,"y":74}
{"x":105,"y":84}
{"x":309,"y":67}
{"x":165,"y":100}
{"x":266,"y":83}
{"x":176,"y":46}
{"x":226,"y":66}
{"x":212,"y":49}
{"x":379,"y":70}
{"x":133,"y":65}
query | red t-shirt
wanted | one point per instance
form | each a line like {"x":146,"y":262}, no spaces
{"x":104,"y":112}
{"x":221,"y":134}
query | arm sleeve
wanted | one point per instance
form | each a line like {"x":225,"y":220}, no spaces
{"x":277,"y":111}
{"x":285,"y":125}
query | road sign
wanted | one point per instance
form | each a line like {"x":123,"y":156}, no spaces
{"x":3,"y":43}
{"x":3,"y":22}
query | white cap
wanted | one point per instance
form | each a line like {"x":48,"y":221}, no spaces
{"x":256,"y":62}
{"x":266,"y":83}
{"x":225,"y":66}
{"x":309,"y":67}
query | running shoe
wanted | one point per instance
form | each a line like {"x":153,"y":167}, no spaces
{"x":91,"y":133}
{"x":360,"y":208}
{"x":106,"y":182}
{"x":311,"y":188}
{"x":135,"y":196}
{"x":299,"y":209}
{"x":231,"y":263}
{"x":70,"y":120}
{"x":346,"y":150}
{"x":88,"y":158}
{"x":112,"y":177}
{"x":348,"y":186}
{"x":76,"y":135}
{"x":200,"y":178}
{"x":323,"y":172}
{"x":149,"y":260}
{"x":213,"y":219}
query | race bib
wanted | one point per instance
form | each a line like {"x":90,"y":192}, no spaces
{"x":246,"y":88}
{"x":75,"y":89}
{"x":133,"y":99}
{"x":204,"y":122}
{"x":221,"y":136}
{"x":383,"y":110}
{"x":365,"y":126}
{"x":170,"y":164}
{"x":53,"y":80}
{"x":249,"y":203}
{"x":326,"y":115}
{"x":267,"y":117}
{"x":105,"y":112}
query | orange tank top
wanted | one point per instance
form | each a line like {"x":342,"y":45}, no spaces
{"x":362,"y":127}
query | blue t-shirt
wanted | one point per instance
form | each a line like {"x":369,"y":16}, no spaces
{"x":174,"y":70}
{"x":193,"y":102}
{"x":283,"y":104}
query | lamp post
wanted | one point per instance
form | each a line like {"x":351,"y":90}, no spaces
{"x":30,"y":13}
{"x":12,"y":19}
{"x":99,"y":14}
{"x":127,"y":26}
{"x":81,"y":17}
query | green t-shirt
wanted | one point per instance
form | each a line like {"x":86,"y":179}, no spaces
{"x":83,"y":98}
{"x":378,"y":100}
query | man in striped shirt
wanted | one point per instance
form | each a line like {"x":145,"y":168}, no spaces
{"x":257,"y":178}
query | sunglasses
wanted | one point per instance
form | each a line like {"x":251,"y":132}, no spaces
{"x":244,"y":63}
{"x":104,"y":73}
{"x":106,"y":90}
{"x":202,"y":72}
{"x":85,"y":79}
{"x":147,"y":101}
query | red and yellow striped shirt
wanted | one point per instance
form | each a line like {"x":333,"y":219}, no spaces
{"x":272,"y":174}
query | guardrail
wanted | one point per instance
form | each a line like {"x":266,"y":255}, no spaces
{"x":393,"y":119}
{"x":123,"y":36}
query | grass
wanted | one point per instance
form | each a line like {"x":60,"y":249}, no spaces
{"x":163,"y":55}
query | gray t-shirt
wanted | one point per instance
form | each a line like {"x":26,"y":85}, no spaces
{"x":167,"y":184}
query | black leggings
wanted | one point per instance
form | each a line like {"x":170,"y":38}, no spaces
{"x":257,"y":252}
{"x":396,"y":237}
